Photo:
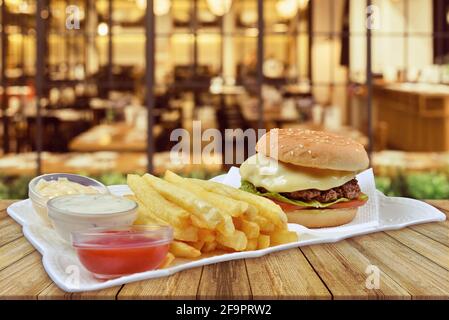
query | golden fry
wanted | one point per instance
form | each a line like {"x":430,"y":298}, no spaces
{"x":251,"y":245}
{"x":183,"y":250}
{"x":198,"y":244}
{"x":156,"y":203}
{"x":206,"y":235}
{"x":236,"y":241}
{"x":186,"y":200}
{"x":263,"y":241}
{"x":266,"y":207}
{"x":169,"y":258}
{"x":224,"y":204}
{"x":146,"y":216}
{"x":282,"y":237}
{"x":209,"y":246}
{"x":251,"y":229}
{"x":226,"y":227}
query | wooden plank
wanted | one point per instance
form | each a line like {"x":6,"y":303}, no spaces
{"x":425,"y":246}
{"x":421,"y":277}
{"x":14,"y":251}
{"x":285,"y":275}
{"x":104,"y":294}
{"x":343,"y":269}
{"x":4,"y":204}
{"x":443,"y":205}
{"x":225,"y":280}
{"x":181,"y":285}
{"x":24,"y":279}
{"x":438,"y":231}
{"x":9,"y":230}
{"x":52,"y":292}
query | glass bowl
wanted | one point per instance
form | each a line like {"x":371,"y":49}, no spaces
{"x":78,"y":212}
{"x":114,"y":252}
{"x":39,"y":201}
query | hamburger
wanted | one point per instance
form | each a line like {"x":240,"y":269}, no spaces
{"x":309,"y":174}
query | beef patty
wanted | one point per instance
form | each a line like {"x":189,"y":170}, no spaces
{"x":350,"y":190}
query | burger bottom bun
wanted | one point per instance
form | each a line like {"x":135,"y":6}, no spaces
{"x":321,"y":218}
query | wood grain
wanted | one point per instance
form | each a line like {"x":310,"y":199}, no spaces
{"x":414,"y":263}
{"x":181,"y":285}
{"x":443,"y":205}
{"x":225,"y":280}
{"x":24,"y":279}
{"x":438,"y":231}
{"x":52,"y":292}
{"x":285,"y":275}
{"x":14,"y":251}
{"x":421,"y":277}
{"x":3,"y":205}
{"x":426,"y":247}
{"x":9,"y":230}
{"x":343,"y":268}
{"x":104,"y":294}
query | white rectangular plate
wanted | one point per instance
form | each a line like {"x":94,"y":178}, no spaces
{"x":63,"y":267}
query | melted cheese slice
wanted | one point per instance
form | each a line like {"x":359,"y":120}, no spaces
{"x":277,"y":176}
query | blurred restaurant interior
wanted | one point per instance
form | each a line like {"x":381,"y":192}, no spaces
{"x":75,"y":79}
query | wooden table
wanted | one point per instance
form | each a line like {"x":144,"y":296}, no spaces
{"x":97,"y":163}
{"x":118,"y":137}
{"x":414,"y":264}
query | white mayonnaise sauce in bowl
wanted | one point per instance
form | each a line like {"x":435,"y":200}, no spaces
{"x":48,"y":186}
{"x":77,"y":212}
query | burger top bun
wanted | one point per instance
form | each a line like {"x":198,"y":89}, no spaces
{"x":315,"y":149}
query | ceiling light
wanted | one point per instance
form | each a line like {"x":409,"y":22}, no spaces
{"x":219,"y":7}
{"x":287,"y":8}
{"x":103,"y":29}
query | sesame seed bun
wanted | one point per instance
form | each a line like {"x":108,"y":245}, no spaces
{"x":322,"y":218}
{"x":314,"y":149}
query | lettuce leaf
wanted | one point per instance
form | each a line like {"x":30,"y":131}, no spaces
{"x":249,"y":187}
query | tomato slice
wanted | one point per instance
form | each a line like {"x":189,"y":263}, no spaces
{"x":286,"y":207}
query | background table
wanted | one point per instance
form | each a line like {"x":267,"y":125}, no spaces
{"x":414,"y":264}
{"x":118,"y":137}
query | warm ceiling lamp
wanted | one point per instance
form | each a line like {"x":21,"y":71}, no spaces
{"x":160,"y":7}
{"x":219,"y":7}
{"x":103,"y":29}
{"x":287,"y":8}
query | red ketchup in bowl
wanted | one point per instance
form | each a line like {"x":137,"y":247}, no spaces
{"x":111,"y":253}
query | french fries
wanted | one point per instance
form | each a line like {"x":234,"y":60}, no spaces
{"x":236,"y":241}
{"x":186,"y":200}
{"x":283,"y":236}
{"x":153,"y":201}
{"x":207,"y":216}
{"x":263,"y":241}
{"x":266,"y":207}
{"x":145,"y":216}
{"x":183,"y":250}
{"x":225,"y":204}
{"x":169,"y":258}
{"x":209,"y":246}
{"x":251,"y":229}
{"x":251,"y":245}
{"x":206,"y":235}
